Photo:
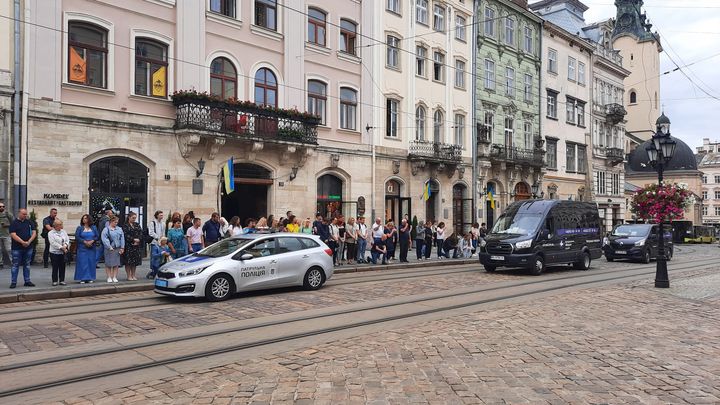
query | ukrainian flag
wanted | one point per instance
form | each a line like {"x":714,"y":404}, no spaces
{"x":229,"y":173}
{"x":491,"y":198}
{"x":426,"y":191}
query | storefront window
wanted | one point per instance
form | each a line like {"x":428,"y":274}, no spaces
{"x":329,"y":196}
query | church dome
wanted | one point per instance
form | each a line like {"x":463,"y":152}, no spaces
{"x":683,"y":159}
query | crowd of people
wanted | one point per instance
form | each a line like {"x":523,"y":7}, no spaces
{"x":123,"y":245}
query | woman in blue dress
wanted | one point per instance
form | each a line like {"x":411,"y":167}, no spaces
{"x":86,"y":236}
{"x":177,"y":240}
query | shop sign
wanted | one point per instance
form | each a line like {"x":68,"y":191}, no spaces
{"x":329,"y":197}
{"x":62,"y":200}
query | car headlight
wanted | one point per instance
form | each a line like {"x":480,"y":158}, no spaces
{"x":641,"y":242}
{"x":524,"y":244}
{"x":193,"y":272}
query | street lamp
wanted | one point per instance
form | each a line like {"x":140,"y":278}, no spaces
{"x":535,"y":188}
{"x":660,"y":153}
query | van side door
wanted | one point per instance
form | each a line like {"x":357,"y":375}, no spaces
{"x":550,"y":246}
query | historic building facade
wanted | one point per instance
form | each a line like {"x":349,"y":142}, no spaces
{"x":7,"y":92}
{"x":708,"y":157}
{"x":507,"y":107}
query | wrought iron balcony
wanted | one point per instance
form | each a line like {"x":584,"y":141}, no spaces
{"x":435,"y":152}
{"x":532,"y":157}
{"x":615,"y":155}
{"x":245,"y":121}
{"x":614,"y":113}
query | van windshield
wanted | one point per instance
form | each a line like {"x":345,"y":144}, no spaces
{"x":631,"y":230}
{"x":518,"y":224}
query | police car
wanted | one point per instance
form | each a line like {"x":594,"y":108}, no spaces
{"x":248,"y":262}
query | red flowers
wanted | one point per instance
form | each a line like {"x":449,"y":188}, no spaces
{"x":656,"y":204}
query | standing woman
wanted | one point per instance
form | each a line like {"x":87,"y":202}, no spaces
{"x":86,"y":237}
{"x":404,"y":239}
{"x":334,"y":241}
{"x":187,"y":222}
{"x":420,"y":240}
{"x":176,"y":240}
{"x":428,"y":238}
{"x":391,"y":241}
{"x":351,"y":234}
{"x":440,"y":240}
{"x":235,"y":227}
{"x":113,"y":240}
{"x":59,"y":246}
{"x":133,"y":248}
{"x":306,"y":227}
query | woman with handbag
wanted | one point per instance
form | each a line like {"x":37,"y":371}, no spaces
{"x":133,"y":245}
{"x":59,"y":246}
{"x":86,"y":258}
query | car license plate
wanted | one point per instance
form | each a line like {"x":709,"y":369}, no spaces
{"x":161,"y":283}
{"x":620,"y":252}
{"x":500,"y":258}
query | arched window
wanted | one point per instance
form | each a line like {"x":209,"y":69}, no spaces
{"x":223,"y":78}
{"x":633,"y":97}
{"x":316,"y":26}
{"x":87,"y":54}
{"x":266,"y":88}
{"x":438,"y":126}
{"x":420,"y":123}
{"x":151,"y":64}
{"x":348,"y":108}
{"x":317,"y":99}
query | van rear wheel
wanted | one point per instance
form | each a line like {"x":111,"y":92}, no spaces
{"x":539,"y":266}
{"x":584,"y":262}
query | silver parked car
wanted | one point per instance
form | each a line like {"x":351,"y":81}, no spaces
{"x":248,"y":262}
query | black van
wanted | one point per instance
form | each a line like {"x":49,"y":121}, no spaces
{"x":535,"y":233}
{"x":636,"y":242}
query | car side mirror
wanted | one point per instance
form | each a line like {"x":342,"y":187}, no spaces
{"x":243,"y":256}
{"x":545,"y":234}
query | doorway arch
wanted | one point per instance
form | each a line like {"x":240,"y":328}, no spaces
{"x":522,"y":191}
{"x":250,"y":198}
{"x":120,"y":184}
{"x":396,"y":206}
{"x":462,"y":209}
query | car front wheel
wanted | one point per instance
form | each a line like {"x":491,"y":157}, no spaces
{"x":539,"y":266}
{"x":219,"y":288}
{"x":646,"y":257}
{"x":314,"y":279}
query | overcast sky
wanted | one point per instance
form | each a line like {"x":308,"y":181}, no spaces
{"x":690,"y":31}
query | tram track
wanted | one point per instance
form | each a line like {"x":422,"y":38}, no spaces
{"x":350,"y":323}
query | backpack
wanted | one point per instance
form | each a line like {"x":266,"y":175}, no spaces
{"x":146,"y":235}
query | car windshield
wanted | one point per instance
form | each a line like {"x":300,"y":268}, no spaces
{"x":631,"y":230}
{"x":224,"y":247}
{"x":517,"y":224}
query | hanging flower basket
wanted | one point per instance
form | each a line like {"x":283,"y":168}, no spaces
{"x":657,"y":204}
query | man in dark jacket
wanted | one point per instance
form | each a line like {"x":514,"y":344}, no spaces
{"x":211,"y":229}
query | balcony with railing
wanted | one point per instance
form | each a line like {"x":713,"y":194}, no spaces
{"x":435,"y":152}
{"x":243,"y":120}
{"x":609,"y":54}
{"x":511,"y":154}
{"x":615,"y":155}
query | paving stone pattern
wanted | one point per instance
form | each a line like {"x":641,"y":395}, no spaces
{"x":621,"y":344}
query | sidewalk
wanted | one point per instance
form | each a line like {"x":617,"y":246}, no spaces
{"x":44,"y":290}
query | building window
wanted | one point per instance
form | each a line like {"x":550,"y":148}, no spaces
{"x":601,"y":185}
{"x":704,"y":195}
{"x":510,"y":82}
{"x":348,"y":108}
{"x":420,"y":57}
{"x":87,"y":55}
{"x":571,"y":69}
{"x":489,"y":74}
{"x":438,"y":18}
{"x":489,"y":22}
{"x":348,"y":37}
{"x":615,"y":184}
{"x":528,"y":40}
{"x":266,"y":88}
{"x":317,"y":99}
{"x":633,"y":97}
{"x":420,"y":123}
{"x":224,"y":7}
{"x":570,"y":158}
{"x":509,"y":131}
{"x":393,"y":52}
{"x":266,"y":14}
{"x":717,"y":195}
{"x":551,"y":155}
{"x":439,"y":66}
{"x":552,"y":104}
{"x":705,"y":210}
{"x":580,"y":111}
{"x":527,"y":132}
{"x":459,"y":74}
{"x":316,"y":27}
{"x":581,"y":163}
{"x":581,"y":73}
{"x":223,"y":78}
{"x":394,"y":6}
{"x":460,"y":24}
{"x":528,"y":88}
{"x":552,"y":61}
{"x":421,"y":11}
{"x":489,"y":124}
{"x":509,"y":31}
{"x":438,"y":126}
{"x":570,"y":110}
{"x":717,"y":179}
{"x":391,"y":124}
{"x":704,"y":179}
{"x":717,"y":210}
{"x":459,"y":130}
{"x":151,"y":63}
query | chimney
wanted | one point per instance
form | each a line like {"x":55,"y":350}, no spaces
{"x":521,"y":3}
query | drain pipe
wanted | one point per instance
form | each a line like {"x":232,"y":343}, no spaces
{"x":17,"y":201}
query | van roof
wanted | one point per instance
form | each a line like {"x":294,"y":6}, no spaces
{"x":543,"y":206}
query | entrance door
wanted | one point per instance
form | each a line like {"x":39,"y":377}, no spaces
{"x":120,"y":184}
{"x":329,"y":196}
{"x":250,"y":198}
{"x":522,"y":192}
{"x":490,"y":218}
{"x":405,"y":209}
{"x":431,"y":204}
{"x":458,"y":209}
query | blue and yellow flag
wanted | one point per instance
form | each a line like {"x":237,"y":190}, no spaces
{"x":426,"y":191}
{"x":491,"y":198}
{"x":229,"y":173}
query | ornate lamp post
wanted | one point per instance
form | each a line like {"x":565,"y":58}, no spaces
{"x":535,"y":188}
{"x":660,"y":153}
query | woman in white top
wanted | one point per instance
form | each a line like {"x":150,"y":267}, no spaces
{"x":440,"y":239}
{"x":59,"y":246}
{"x":235,"y":227}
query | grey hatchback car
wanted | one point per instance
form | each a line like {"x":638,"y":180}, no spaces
{"x":248,"y":262}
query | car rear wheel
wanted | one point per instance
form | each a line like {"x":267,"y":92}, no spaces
{"x":584,"y":262}
{"x":314,"y":279}
{"x":490,"y":269}
{"x":539,"y":266}
{"x":646,"y":257}
{"x":219,"y":288}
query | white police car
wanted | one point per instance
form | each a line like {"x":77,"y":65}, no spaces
{"x":248,"y":262}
